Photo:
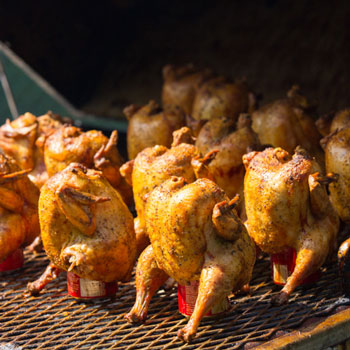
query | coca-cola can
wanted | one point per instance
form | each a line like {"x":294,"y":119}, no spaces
{"x":13,"y":262}
{"x":283,"y":265}
{"x":82,"y":288}
{"x":187,"y":296}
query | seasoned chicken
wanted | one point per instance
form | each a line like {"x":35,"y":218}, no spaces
{"x":195,"y":236}
{"x":232,"y":140}
{"x":337,"y":149}
{"x":287,"y":206}
{"x":93,"y":149}
{"x":285,"y":123}
{"x":19,"y":221}
{"x":150,"y":125}
{"x":180,"y":86}
{"x":86,"y":227}
{"x":331,"y":122}
{"x":24,"y":139}
{"x":156,"y":164}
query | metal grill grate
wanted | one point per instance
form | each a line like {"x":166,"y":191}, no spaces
{"x":54,"y":320}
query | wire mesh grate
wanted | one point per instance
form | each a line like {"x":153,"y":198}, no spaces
{"x":53,"y":320}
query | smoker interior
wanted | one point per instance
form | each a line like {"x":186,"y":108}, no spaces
{"x":54,"y":320}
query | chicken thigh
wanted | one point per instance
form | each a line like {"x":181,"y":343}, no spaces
{"x":287,"y":206}
{"x":195,"y":236}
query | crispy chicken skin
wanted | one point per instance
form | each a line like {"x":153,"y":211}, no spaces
{"x":150,"y":125}
{"x":337,"y":149}
{"x":232,"y":140}
{"x":86,"y":227}
{"x":70,"y":144}
{"x":156,"y":164}
{"x":331,"y":122}
{"x":195,"y":236}
{"x":287,"y":206}
{"x":19,"y":221}
{"x":285,"y":123}
{"x":24,"y":139}
{"x":180,"y":86}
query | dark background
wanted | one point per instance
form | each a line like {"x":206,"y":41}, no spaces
{"x":107,"y":54}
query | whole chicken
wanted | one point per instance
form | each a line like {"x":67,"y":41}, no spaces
{"x":337,"y":149}
{"x":180,"y":86}
{"x":150,"y":126}
{"x":232,"y":140}
{"x":331,"y":122}
{"x":19,"y":221}
{"x":285,"y":123}
{"x":287,"y":206}
{"x":156,"y":164}
{"x":195,"y":236}
{"x":86,"y":227}
{"x":70,"y":144}
{"x":24,"y":139}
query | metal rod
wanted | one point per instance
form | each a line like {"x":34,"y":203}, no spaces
{"x":8,"y":93}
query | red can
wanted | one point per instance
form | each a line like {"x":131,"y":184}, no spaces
{"x":13,"y":261}
{"x":283,"y":264}
{"x":82,"y":288}
{"x":187,"y":296}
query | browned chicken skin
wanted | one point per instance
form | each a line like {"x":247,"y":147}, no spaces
{"x":19,"y":221}
{"x":156,"y":164}
{"x":150,"y":125}
{"x":195,"y":236}
{"x":287,"y":206}
{"x":331,"y":122}
{"x":93,"y":149}
{"x":337,"y":149}
{"x":24,"y":139}
{"x":86,"y":227}
{"x":180,"y":86}
{"x":285,"y":123}
{"x":232,"y":140}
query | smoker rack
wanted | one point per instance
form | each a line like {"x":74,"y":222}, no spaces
{"x":53,"y":320}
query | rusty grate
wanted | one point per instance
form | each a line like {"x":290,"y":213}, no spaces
{"x":54,"y":320}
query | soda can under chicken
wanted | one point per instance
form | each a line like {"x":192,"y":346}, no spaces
{"x":13,"y":262}
{"x":187,"y":296}
{"x":283,"y":264}
{"x":82,"y":288}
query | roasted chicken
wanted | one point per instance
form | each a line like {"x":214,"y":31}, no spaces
{"x":285,"y":123}
{"x":195,"y":236}
{"x":337,"y":149}
{"x":180,"y":86}
{"x":331,"y":122}
{"x":86,"y":227}
{"x":287,"y":206}
{"x":24,"y":139}
{"x":156,"y":164}
{"x":232,"y":140}
{"x":19,"y":221}
{"x":93,"y":149}
{"x":150,"y":125}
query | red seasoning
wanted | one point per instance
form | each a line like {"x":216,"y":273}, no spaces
{"x":283,"y":264}
{"x":187,"y":296}
{"x":13,"y":262}
{"x":82,"y":288}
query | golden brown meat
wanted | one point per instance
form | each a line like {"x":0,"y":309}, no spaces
{"x":219,"y":97}
{"x":232,"y":140}
{"x":156,"y":164}
{"x":180,"y":86}
{"x":331,"y":122}
{"x":195,"y":236}
{"x":24,"y":139}
{"x":86,"y":227}
{"x":337,"y":149}
{"x":287,"y":206}
{"x":284,"y":123}
{"x":94,"y":150}
{"x":150,"y":126}
{"x":19,"y":221}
